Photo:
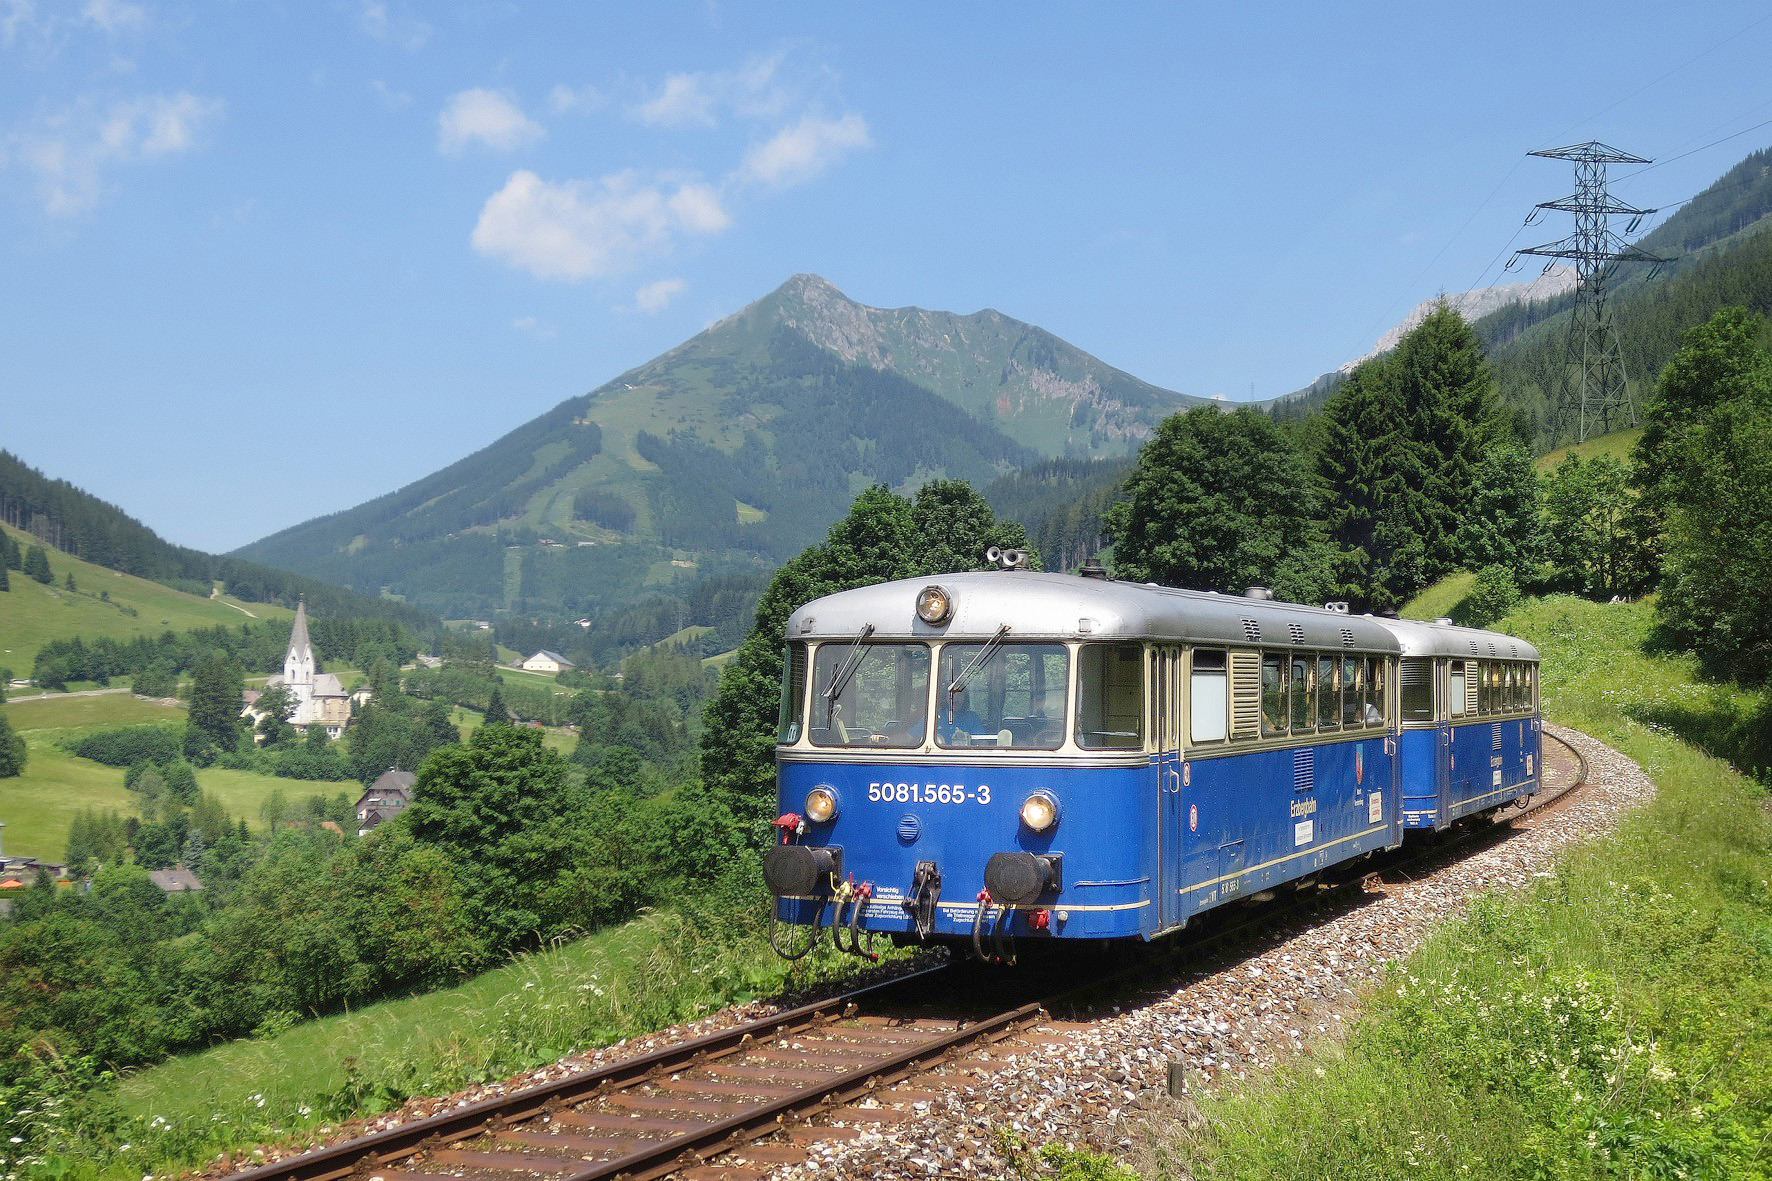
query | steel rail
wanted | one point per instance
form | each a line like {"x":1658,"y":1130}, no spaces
{"x":730,"y":1133}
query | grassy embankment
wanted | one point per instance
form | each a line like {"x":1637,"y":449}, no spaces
{"x":663,"y":967}
{"x":1616,"y":445}
{"x":32,"y":614}
{"x":1610,"y":1022}
{"x":38,"y":807}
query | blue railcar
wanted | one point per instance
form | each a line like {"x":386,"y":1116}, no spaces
{"x":1468,"y":709}
{"x":995,"y":754}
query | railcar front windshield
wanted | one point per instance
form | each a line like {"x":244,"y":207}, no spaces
{"x":1001,"y":695}
{"x":870,"y":695}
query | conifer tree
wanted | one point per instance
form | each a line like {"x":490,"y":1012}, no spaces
{"x":1448,"y":391}
{"x":12,"y":750}
{"x":36,"y":565}
{"x":215,"y":700}
{"x":496,"y":713}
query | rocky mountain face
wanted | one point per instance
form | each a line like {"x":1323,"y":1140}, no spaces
{"x":1473,"y":306}
{"x":730,"y":452}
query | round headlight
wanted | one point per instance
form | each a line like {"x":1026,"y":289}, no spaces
{"x":1039,"y":811}
{"x":933,"y":605}
{"x":821,"y":804}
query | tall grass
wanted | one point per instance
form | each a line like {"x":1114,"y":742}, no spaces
{"x":1611,"y":1022}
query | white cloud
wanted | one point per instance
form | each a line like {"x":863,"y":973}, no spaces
{"x":47,"y":25}
{"x":656,"y":297}
{"x":567,"y":100}
{"x":407,"y":32}
{"x":485,"y":116}
{"x":114,"y":16}
{"x":68,"y":153}
{"x":801,"y":152}
{"x":753,"y":90}
{"x":586,"y":229}
{"x":530,"y":326}
{"x":684,"y":102}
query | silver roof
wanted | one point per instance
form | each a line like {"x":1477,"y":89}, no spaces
{"x":1448,"y":639}
{"x":1064,"y":606}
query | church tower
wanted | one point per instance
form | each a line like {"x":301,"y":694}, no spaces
{"x":298,"y":663}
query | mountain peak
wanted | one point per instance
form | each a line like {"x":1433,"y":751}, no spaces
{"x":810,"y":287}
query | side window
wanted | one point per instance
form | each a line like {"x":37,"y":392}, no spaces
{"x":1273,"y":693}
{"x":1417,"y":683}
{"x":1110,"y":697}
{"x":1377,"y":697}
{"x":1455,"y":694}
{"x":1303,"y":693}
{"x":1208,"y":712}
{"x":1328,"y":693}
{"x":1353,"y":689}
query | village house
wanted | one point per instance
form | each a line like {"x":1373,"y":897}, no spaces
{"x":384,"y":799}
{"x":547,"y":662}
{"x":177,"y":880}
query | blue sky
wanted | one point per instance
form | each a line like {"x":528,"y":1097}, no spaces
{"x":264,"y":261}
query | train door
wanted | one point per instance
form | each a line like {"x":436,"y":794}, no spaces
{"x":1166,"y":681}
{"x":1450,"y":706}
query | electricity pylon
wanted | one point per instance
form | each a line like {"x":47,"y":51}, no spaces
{"x":1602,"y":395}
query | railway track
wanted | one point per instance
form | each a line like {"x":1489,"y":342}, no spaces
{"x":670,"y":1111}
{"x":673,"y":1111}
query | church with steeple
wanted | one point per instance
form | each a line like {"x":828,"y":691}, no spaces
{"x":320,"y":698}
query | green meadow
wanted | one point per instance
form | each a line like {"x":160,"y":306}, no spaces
{"x":38,"y":807}
{"x":32,"y":614}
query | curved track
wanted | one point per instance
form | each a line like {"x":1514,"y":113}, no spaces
{"x":673,"y":1110}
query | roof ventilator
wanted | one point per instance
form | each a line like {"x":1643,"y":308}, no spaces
{"x":1297,"y":632}
{"x":1251,"y":630}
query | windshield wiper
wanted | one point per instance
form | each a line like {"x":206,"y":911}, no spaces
{"x":846,"y":670}
{"x":984,"y":654}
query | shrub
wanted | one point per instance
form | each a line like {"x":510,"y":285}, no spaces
{"x":1494,"y":595}
{"x":128,"y":745}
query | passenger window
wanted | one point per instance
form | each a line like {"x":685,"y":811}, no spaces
{"x":1353,"y":689}
{"x":1377,"y":697}
{"x":1456,"y":697}
{"x":1303,"y":692}
{"x":1418,"y":689}
{"x":1328,"y":694}
{"x":1110,"y":697}
{"x":1208,"y":716}
{"x":1273,"y":693}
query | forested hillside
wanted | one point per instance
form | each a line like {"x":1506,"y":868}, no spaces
{"x":726,"y":456}
{"x":82,"y":525}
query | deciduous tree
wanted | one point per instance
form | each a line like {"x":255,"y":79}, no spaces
{"x":1217,"y":502}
